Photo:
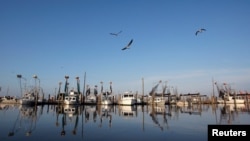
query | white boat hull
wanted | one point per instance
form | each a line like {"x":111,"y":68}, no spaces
{"x":156,"y":101}
{"x":237,"y":101}
{"x":127,"y":102}
{"x":227,"y":99}
{"x":71,"y":100}
{"x":127,"y":98}
{"x":106,"y":102}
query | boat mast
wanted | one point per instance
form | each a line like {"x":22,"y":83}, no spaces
{"x":66,"y":85}
{"x":36,"y":91}
{"x":101,"y":95}
{"x":78,"y":85}
{"x":84,"y":84}
{"x":20,"y":77}
{"x":213,"y":90}
{"x":142,"y":89}
{"x":164,"y":87}
{"x":59,"y":90}
{"x":101,"y":87}
{"x":110,"y":87}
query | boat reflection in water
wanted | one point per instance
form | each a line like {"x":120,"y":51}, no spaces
{"x":159,"y":114}
{"x":191,"y":110}
{"x":26,"y":120}
{"x":8,"y":106}
{"x":109,"y":122}
{"x":230,"y":112}
{"x":90,"y":113}
{"x":127,"y":111}
{"x":69,"y":115}
{"x":105,"y":114}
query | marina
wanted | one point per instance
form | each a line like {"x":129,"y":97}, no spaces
{"x":93,"y":113}
{"x":34,"y":95}
{"x":97,"y":113}
{"x":85,"y":70}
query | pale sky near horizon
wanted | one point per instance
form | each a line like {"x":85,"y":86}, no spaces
{"x":54,"y":38}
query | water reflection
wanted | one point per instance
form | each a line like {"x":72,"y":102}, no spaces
{"x":157,"y":112}
{"x":26,"y":120}
{"x":90,"y":113}
{"x":229,"y":113}
{"x":73,"y":119}
{"x":105,"y":114}
{"x":127,"y":111}
{"x":69,"y":115}
{"x":191,"y":110}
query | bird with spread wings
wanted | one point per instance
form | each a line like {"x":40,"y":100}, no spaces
{"x":116,"y":34}
{"x":128,"y":46}
{"x":199,"y":31}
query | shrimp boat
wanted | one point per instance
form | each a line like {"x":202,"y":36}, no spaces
{"x":69,"y":98}
{"x":127,"y":98}
{"x":32,"y":95}
{"x":91,"y":95}
{"x":28,"y":99}
{"x":227,"y":95}
{"x":228,"y":99}
{"x":72,"y":98}
{"x":106,"y":98}
{"x":155,"y":98}
{"x":9,"y":100}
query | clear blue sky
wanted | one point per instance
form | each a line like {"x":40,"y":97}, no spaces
{"x":54,"y":38}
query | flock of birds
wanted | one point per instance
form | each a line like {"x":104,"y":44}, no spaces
{"x":131,"y":41}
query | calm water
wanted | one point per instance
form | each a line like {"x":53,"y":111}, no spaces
{"x":116,"y":123}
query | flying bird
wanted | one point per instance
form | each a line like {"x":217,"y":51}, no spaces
{"x":116,"y":34}
{"x":128,"y":46}
{"x":199,"y":31}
